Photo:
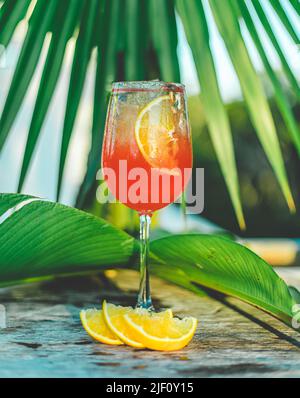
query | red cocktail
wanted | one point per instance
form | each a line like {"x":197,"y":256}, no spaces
{"x":147,"y":153}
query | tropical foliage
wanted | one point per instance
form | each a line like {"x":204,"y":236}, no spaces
{"x":137,"y":39}
{"x":41,"y":239}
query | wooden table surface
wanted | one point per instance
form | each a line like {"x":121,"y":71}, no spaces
{"x":43,"y":336}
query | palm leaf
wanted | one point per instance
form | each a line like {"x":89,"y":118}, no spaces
{"x":137,"y":39}
{"x":268,"y":28}
{"x":260,"y":113}
{"x":106,"y":71}
{"x":280,"y":96}
{"x":11,"y":13}
{"x":296,"y":5}
{"x":66,"y":19}
{"x":46,"y":239}
{"x":38,"y":26}
{"x":193,"y":18}
{"x":162,"y":15}
{"x":285,"y":20}
{"x":83,"y":49}
{"x":134,"y":32}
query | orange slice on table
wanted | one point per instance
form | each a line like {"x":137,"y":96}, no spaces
{"x":95,"y":325}
{"x":155,"y":134}
{"x":114,"y":316}
{"x":162,"y":334}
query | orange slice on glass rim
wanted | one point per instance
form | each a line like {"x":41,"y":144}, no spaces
{"x":155,"y":134}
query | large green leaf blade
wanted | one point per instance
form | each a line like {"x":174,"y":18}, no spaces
{"x":253,"y":92}
{"x":65,"y":24}
{"x":9,"y":201}
{"x":12,"y":12}
{"x":45,"y":238}
{"x":279,"y":93}
{"x":193,"y":18}
{"x":223,"y":265}
{"x":38,"y":26}
{"x":83,"y":49}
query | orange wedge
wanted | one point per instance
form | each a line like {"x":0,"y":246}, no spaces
{"x":162,"y":334}
{"x":155,"y":134}
{"x":95,"y":325}
{"x":114,"y":316}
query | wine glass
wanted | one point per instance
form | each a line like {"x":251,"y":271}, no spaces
{"x":147,"y":149}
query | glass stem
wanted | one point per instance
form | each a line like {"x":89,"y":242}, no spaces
{"x":144,"y":297}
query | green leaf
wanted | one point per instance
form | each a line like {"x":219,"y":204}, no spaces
{"x":296,"y":5}
{"x":44,"y":238}
{"x":12,"y":12}
{"x":134,"y":40}
{"x":81,"y":59}
{"x":105,"y":74}
{"x":279,"y":93}
{"x":65,"y":24}
{"x":164,"y":34}
{"x":27,"y":62}
{"x":253,"y":92}
{"x":223,"y":265}
{"x":269,"y":30}
{"x":285,"y":20}
{"x":193,"y":19}
{"x":11,"y":200}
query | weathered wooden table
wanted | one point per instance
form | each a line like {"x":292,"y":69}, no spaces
{"x":44,"y":338}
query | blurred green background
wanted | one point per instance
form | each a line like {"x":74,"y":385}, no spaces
{"x":265,"y":211}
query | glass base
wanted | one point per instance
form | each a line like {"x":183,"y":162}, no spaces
{"x":145,"y":304}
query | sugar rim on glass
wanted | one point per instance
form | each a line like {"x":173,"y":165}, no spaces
{"x":146,"y":85}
